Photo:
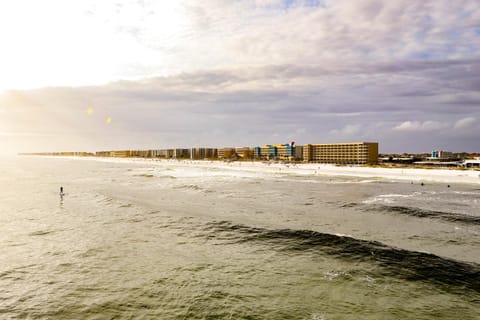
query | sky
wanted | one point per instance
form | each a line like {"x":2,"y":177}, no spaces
{"x":109,"y":75}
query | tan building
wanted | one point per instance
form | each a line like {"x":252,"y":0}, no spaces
{"x":181,"y":153}
{"x":226,"y":153}
{"x":120,"y":153}
{"x":141,"y":153}
{"x":298,"y":152}
{"x":203,"y":153}
{"x":244,"y":153}
{"x":342,"y":153}
{"x":285,"y":151}
{"x":103,"y":153}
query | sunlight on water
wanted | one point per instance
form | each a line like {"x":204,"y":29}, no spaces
{"x":170,"y":241}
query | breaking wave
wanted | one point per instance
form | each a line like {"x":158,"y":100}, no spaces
{"x":419,"y":213}
{"x":410,"y":265}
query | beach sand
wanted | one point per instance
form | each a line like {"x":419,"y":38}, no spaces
{"x":405,"y":174}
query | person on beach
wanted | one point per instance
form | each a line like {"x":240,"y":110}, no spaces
{"x":61,"y":190}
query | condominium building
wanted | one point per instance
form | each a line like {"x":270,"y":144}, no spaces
{"x":298,"y":152}
{"x":285,"y":151}
{"x":257,"y":153}
{"x":181,"y":153}
{"x":163,"y":153}
{"x":277,"y":151}
{"x":244,"y":152}
{"x":226,"y":153}
{"x":342,"y":153}
{"x":268,"y":152}
{"x":140,"y":153}
{"x":120,"y":153}
{"x":103,"y":153}
{"x":203,"y":153}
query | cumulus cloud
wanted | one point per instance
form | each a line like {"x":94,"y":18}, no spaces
{"x":428,"y":125}
{"x":349,"y":130}
{"x":464,"y":123}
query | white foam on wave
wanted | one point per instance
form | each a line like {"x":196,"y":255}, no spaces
{"x":318,"y":316}
{"x":331,"y":275}
{"x":343,"y":235}
{"x":387,"y":198}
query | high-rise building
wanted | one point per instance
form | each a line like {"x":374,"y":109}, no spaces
{"x":181,"y":153}
{"x":285,"y":151}
{"x":203,"y":153}
{"x":226,"y":153}
{"x":268,"y":152}
{"x":342,"y":153}
{"x":244,"y":153}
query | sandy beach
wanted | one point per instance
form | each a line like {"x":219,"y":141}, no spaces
{"x":410,"y":174}
{"x":405,"y":174}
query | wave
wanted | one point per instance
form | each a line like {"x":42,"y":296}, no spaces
{"x":145,"y":175}
{"x":389,"y":198}
{"x":193,"y":187}
{"x":410,"y":265}
{"x":41,"y":233}
{"x":189,"y":187}
{"x":420,"y":213}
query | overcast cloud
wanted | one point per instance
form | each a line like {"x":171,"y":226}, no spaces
{"x":234,"y":73}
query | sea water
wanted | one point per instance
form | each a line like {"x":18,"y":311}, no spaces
{"x":174,"y":240}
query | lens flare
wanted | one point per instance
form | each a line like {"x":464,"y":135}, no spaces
{"x":89,"y":110}
{"x":108,"y":120}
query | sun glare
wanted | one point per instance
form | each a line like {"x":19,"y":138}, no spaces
{"x":90,"y":43}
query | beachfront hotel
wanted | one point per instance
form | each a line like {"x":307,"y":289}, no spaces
{"x":342,"y":153}
{"x":335,"y":153}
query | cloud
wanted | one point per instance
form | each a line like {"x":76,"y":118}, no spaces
{"x":183,"y":72}
{"x":349,"y":130}
{"x":428,"y":125}
{"x":246,"y":105}
{"x":464,"y":123}
{"x":147,"y":38}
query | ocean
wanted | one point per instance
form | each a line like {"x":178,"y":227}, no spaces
{"x":146,"y":239}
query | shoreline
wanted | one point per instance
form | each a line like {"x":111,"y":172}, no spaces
{"x":315,"y":169}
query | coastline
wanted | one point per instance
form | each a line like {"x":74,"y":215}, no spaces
{"x":316,"y":169}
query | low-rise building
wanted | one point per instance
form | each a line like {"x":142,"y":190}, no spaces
{"x":470,"y":163}
{"x":441,"y":155}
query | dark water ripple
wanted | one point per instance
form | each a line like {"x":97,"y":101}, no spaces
{"x":420,"y":213}
{"x":409,"y":265}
